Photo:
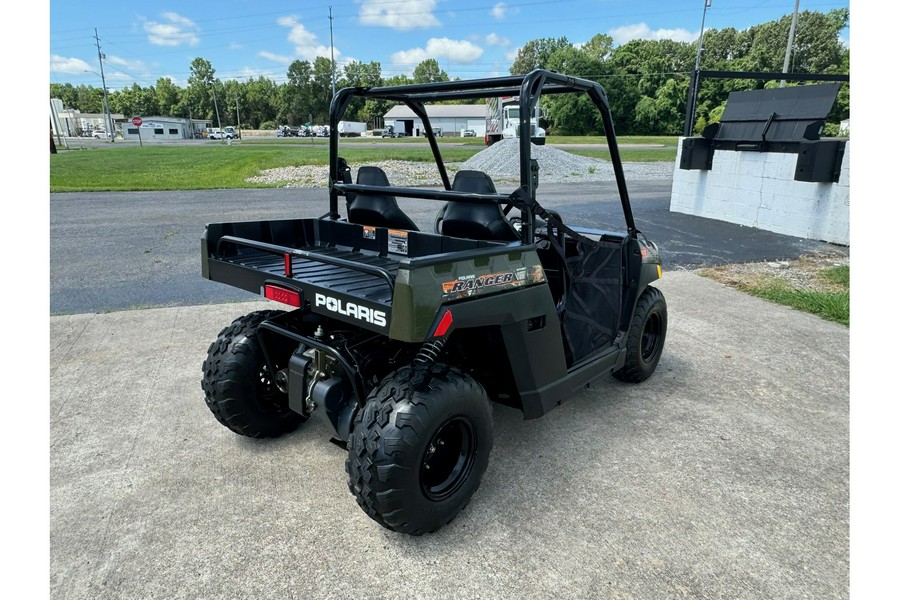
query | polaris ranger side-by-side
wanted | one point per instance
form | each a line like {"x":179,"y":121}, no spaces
{"x":400,"y":338}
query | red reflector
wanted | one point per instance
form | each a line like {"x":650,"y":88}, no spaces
{"x":283,"y":295}
{"x":444,"y":325}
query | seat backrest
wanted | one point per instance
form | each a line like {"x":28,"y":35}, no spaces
{"x":476,"y":221}
{"x":377,"y":210}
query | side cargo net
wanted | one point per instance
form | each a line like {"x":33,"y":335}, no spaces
{"x":591,"y":302}
{"x":590,"y":307}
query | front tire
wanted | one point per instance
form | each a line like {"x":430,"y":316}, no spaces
{"x":238,"y":387}
{"x":420,"y":447}
{"x":646,"y":337}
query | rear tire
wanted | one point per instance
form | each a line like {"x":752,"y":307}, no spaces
{"x":239,"y":390}
{"x":420,"y":447}
{"x":646,"y":337}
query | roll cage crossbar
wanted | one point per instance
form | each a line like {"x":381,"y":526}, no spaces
{"x":528,"y":88}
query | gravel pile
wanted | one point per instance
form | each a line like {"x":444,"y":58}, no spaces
{"x":399,"y":173}
{"x":500,"y":161}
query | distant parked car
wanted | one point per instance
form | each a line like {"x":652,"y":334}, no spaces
{"x":100,"y":134}
{"x":468,"y":133}
{"x":227,"y":133}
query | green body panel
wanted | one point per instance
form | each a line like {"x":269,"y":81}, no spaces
{"x":421,"y":291}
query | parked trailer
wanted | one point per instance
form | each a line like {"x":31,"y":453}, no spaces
{"x":351,"y":128}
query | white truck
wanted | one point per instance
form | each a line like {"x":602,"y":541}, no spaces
{"x":502,"y":121}
{"x":351,"y":128}
{"x":226,"y":133}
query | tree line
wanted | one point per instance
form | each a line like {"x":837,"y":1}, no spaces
{"x":261,"y":103}
{"x":646,"y":81}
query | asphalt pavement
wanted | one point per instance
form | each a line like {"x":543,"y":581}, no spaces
{"x":121,"y":251}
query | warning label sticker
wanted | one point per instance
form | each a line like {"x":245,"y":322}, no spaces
{"x":398,"y":241}
{"x":368,"y":232}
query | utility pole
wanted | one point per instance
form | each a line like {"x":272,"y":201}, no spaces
{"x":790,"y":44}
{"x":237,"y":103}
{"x":331,"y":30}
{"x":110,"y":126}
{"x":695,"y":79}
{"x":216,"y":104}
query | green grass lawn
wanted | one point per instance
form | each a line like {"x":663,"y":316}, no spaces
{"x":831,"y":305}
{"x":653,"y":140}
{"x":120,"y":167}
{"x":203,"y":167}
{"x":830,"y":300}
{"x":649,"y":155}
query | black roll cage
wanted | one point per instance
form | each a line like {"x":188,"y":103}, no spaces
{"x":528,"y":88}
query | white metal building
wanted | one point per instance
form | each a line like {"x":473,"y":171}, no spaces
{"x":163,"y":129}
{"x":451,"y":118}
{"x":70,"y":122}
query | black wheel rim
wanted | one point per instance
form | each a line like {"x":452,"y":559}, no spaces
{"x":448,"y":458}
{"x":650,"y":337}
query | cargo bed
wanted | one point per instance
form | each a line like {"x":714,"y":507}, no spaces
{"x":351,"y":267}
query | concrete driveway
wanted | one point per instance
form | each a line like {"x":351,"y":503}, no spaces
{"x":725,"y":475}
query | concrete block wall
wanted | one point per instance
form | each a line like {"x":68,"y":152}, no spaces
{"x":757,"y":189}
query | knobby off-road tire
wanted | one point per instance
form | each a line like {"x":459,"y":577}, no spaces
{"x":239,"y":390}
{"x":646,"y":337}
{"x":420,"y":447}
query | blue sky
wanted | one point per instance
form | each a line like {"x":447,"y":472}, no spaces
{"x":242,"y":38}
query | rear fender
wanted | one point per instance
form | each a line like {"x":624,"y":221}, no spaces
{"x":530,"y":328}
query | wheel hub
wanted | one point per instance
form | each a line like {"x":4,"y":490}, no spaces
{"x":448,"y":458}
{"x":650,"y":337}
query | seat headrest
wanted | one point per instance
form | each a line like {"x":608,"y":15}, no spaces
{"x":473,"y":181}
{"x":369,"y":175}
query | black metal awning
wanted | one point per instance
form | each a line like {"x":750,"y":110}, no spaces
{"x":789,"y":119}
{"x":789,"y":114}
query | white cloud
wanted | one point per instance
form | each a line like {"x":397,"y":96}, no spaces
{"x":404,"y":16}
{"x":640,"y":31}
{"x":126,"y":70}
{"x":174,"y":31}
{"x":306,"y":43}
{"x":252,"y":72}
{"x":493,"y":39}
{"x":512,"y":54}
{"x":281,"y":59}
{"x":499,"y":11}
{"x":132,"y":65}
{"x":63,"y":64}
{"x":175,"y":80}
{"x":443,"y":49}
{"x":178,"y":19}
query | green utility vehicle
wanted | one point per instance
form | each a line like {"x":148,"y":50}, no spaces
{"x":401,"y":338}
